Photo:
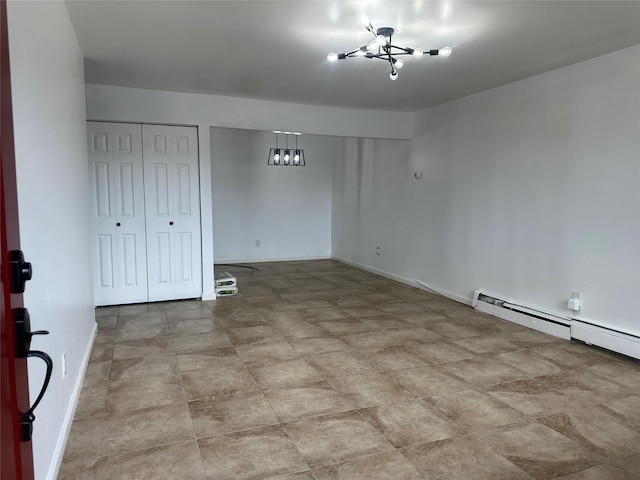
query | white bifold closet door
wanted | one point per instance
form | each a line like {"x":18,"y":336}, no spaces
{"x":119,"y":250}
{"x":146,"y":211}
{"x":172,"y":205}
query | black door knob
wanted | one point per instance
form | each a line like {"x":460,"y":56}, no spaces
{"x":170,"y":223}
{"x":118,"y":224}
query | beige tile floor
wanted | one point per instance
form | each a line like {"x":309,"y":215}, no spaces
{"x":321,"y":371}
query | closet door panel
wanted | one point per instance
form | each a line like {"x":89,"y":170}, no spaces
{"x":173,"y":211}
{"x":158,"y":201}
{"x":105,"y":261}
{"x":115,"y":156}
{"x":185,"y":259}
{"x":187,"y":213}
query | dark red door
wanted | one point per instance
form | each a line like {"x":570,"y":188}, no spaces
{"x":17,"y":456}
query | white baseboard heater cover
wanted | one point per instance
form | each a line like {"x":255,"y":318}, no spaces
{"x":527,"y":317}
{"x":556,"y":325}
{"x":606,"y":338}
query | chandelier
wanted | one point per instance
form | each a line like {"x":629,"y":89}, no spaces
{"x":382,"y":48}
{"x":288,"y":157}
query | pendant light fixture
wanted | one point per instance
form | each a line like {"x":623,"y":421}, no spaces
{"x":286,"y":157}
{"x":382,"y":48}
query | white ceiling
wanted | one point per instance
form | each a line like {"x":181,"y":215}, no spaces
{"x":277,"y":50}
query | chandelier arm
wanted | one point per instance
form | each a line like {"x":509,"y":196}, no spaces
{"x":381,"y":56}
{"x":390,"y":59}
{"x":403,"y":50}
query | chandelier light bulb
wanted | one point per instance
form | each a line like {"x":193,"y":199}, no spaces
{"x":373,"y":45}
{"x":332,"y":56}
{"x":398,"y":63}
{"x":296,"y":157}
{"x":393,"y":75}
{"x":417,"y":52}
{"x":445,"y":52}
{"x":286,"y":156}
{"x":365,"y":22}
{"x":382,"y":40}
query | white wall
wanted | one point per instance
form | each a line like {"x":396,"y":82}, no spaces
{"x":288,"y":209}
{"x":370,"y":184}
{"x":530,"y":190}
{"x":49,"y":120}
{"x":109,"y":103}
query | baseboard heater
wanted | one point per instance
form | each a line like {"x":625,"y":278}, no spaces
{"x":526,"y":316}
{"x":608,"y":338}
{"x":557,"y":325}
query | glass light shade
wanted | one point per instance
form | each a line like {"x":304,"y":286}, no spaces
{"x":417,"y":52}
{"x":332,"y":57}
{"x":286,"y":156}
{"x":382,"y":40}
{"x":393,"y":75}
{"x":373,"y":45}
{"x":398,"y":63}
{"x":444,"y":52}
{"x":296,"y":157}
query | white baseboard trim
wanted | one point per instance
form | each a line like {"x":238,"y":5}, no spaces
{"x":407,"y":281}
{"x":445,"y":293}
{"x":206,"y":296}
{"x":267,"y":260}
{"x":58,"y":453}
{"x":377,"y":271}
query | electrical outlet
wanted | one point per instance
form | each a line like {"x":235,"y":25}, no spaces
{"x":64,"y":365}
{"x":575,"y":301}
{"x":257,"y":243}
{"x":378,"y":251}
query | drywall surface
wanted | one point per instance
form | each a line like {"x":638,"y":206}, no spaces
{"x":370,"y":183}
{"x":266,"y":213}
{"x":109,"y":103}
{"x":530,"y":191}
{"x":53,"y":187}
{"x":140,"y":105}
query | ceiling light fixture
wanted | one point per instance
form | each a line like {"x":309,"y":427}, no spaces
{"x":288,"y":157}
{"x":381,"y":47}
